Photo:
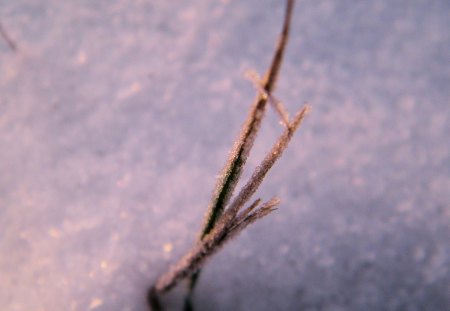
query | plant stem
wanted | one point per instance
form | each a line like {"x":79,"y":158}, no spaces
{"x":9,"y":41}
{"x":239,"y":154}
{"x":219,"y":227}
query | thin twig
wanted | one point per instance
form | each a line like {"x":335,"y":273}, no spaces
{"x":241,"y":149}
{"x":271,"y":76}
{"x":9,"y":41}
{"x":221,"y":226}
{"x":239,"y":154}
{"x":276,"y":104}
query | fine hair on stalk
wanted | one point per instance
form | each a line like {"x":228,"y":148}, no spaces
{"x":226,"y":218}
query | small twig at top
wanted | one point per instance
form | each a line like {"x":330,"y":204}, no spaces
{"x":276,"y":104}
{"x":9,"y":41}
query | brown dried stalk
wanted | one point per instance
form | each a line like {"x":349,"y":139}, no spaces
{"x":221,"y":225}
{"x":239,"y":154}
{"x":225,"y":229}
{"x":232,"y":222}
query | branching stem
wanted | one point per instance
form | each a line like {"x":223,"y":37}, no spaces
{"x":223,"y":224}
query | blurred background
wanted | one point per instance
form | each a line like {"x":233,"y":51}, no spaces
{"x":117,"y":116}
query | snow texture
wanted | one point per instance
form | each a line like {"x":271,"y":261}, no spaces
{"x":116,"y":117}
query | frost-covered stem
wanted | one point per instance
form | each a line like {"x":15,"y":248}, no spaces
{"x":231,"y":222}
{"x":219,"y":227}
{"x":239,"y":154}
{"x":225,"y":229}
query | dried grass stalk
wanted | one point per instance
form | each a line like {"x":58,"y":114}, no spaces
{"x":211,"y":243}
{"x":222,"y":224}
{"x":239,"y":154}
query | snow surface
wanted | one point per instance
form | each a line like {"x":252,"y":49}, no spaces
{"x":116,"y":117}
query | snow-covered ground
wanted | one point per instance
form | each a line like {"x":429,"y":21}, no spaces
{"x":116,"y":117}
